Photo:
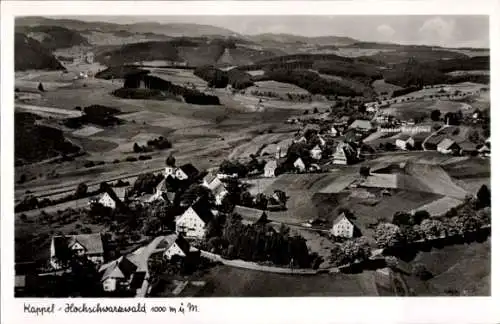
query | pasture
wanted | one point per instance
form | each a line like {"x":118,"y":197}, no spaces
{"x":280,"y":88}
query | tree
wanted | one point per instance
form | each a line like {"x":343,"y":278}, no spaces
{"x":315,"y":110}
{"x":137,"y":148}
{"x":81,"y":190}
{"x":403,"y":218}
{"x":420,"y":215}
{"x":435,"y":114}
{"x":419,"y":270}
{"x":474,"y":136}
{"x":388,"y":235}
{"x":170,"y":161}
{"x":364,"y":171}
{"x":432,"y":228}
{"x":40,"y":87}
{"x":483,"y":197}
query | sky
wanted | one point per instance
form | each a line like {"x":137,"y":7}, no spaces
{"x":449,"y":31}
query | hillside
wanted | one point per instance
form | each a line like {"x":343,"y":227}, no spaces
{"x":294,"y":39}
{"x":30,"y":54}
{"x":55,"y":37}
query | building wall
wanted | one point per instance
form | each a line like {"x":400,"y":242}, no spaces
{"x":220,"y":197}
{"x":316,"y":154}
{"x":269,"y":172}
{"x":179,"y":174}
{"x":190,"y":224}
{"x":343,"y":229}
{"x":107,"y":201}
{"x":174,"y":250}
{"x":109,"y":284}
{"x":169,"y":171}
{"x":300,"y":165}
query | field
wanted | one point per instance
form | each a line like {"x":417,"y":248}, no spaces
{"x":464,"y":269}
{"x":380,"y":86}
{"x":180,"y":77}
{"x":279,"y":88}
{"x":233,"y":282}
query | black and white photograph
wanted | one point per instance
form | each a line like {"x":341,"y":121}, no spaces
{"x":187,"y":156}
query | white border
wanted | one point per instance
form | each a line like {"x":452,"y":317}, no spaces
{"x":245,"y":310}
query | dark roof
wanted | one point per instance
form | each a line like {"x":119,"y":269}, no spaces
{"x":248,"y":213}
{"x":202,"y":209}
{"x":137,"y":280}
{"x":182,"y":244}
{"x":189,"y":170}
{"x":92,"y":243}
{"x":170,"y":184}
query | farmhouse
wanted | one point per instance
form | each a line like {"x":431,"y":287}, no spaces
{"x":448,"y":146}
{"x":62,"y":248}
{"x":484,"y":150}
{"x":211,"y":181}
{"x":110,"y":199}
{"x":117,"y":275}
{"x":344,"y":227}
{"x":361,"y":125}
{"x":299,"y":164}
{"x":186,"y":171}
{"x":405,"y":141}
{"x":344,"y":154}
{"x":316,"y":152}
{"x":174,"y":245}
{"x":270,"y":168}
{"x":192,"y":223}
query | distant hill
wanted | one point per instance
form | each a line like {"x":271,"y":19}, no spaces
{"x":288,"y":38}
{"x":55,"y":37}
{"x":30,"y":54}
{"x":197,"y":51}
{"x":172,"y":29}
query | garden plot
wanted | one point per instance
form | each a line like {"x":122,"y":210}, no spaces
{"x":440,"y":206}
{"x":279,"y":88}
{"x":87,"y":131}
{"x":180,"y":77}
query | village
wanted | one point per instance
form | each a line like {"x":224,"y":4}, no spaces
{"x":170,"y":224}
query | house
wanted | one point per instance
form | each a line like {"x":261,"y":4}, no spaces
{"x":219,"y":193}
{"x":467,"y":147}
{"x":361,"y":125}
{"x":89,"y":57}
{"x":404,"y":141}
{"x":344,"y":154}
{"x":117,"y":275}
{"x":283,"y":147}
{"x":299,"y":164}
{"x":322,"y":141}
{"x":64,"y":247}
{"x":371,"y":109}
{"x":484,"y":150}
{"x":333,"y":131}
{"x":193,"y":222}
{"x":110,"y":199}
{"x":344,"y":227}
{"x":342,"y":121}
{"x":170,"y":171}
{"x":211,"y":181}
{"x":174,"y":245}
{"x":448,"y":146}
{"x":186,"y":171}
{"x":270,"y":168}
{"x":316,"y":152}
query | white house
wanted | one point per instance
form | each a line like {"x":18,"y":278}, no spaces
{"x":211,"y":181}
{"x":316,"y":152}
{"x":174,"y":245}
{"x":299,"y":164}
{"x":343,"y":227}
{"x":448,"y":146}
{"x":333,"y":131}
{"x":117,"y":274}
{"x":219,"y":193}
{"x":107,"y":201}
{"x":344,"y":154}
{"x":187,"y":171}
{"x":270,"y":168}
{"x":404,"y":141}
{"x":192,"y":223}
{"x":88,"y":245}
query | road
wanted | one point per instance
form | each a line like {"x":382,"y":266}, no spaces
{"x":49,"y":110}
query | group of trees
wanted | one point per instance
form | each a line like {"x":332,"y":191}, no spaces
{"x":236,"y":167}
{"x":159,"y":143}
{"x":406,"y":228}
{"x":350,"y":251}
{"x":229,"y":237}
{"x":146,"y":183}
{"x":238,"y":79}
